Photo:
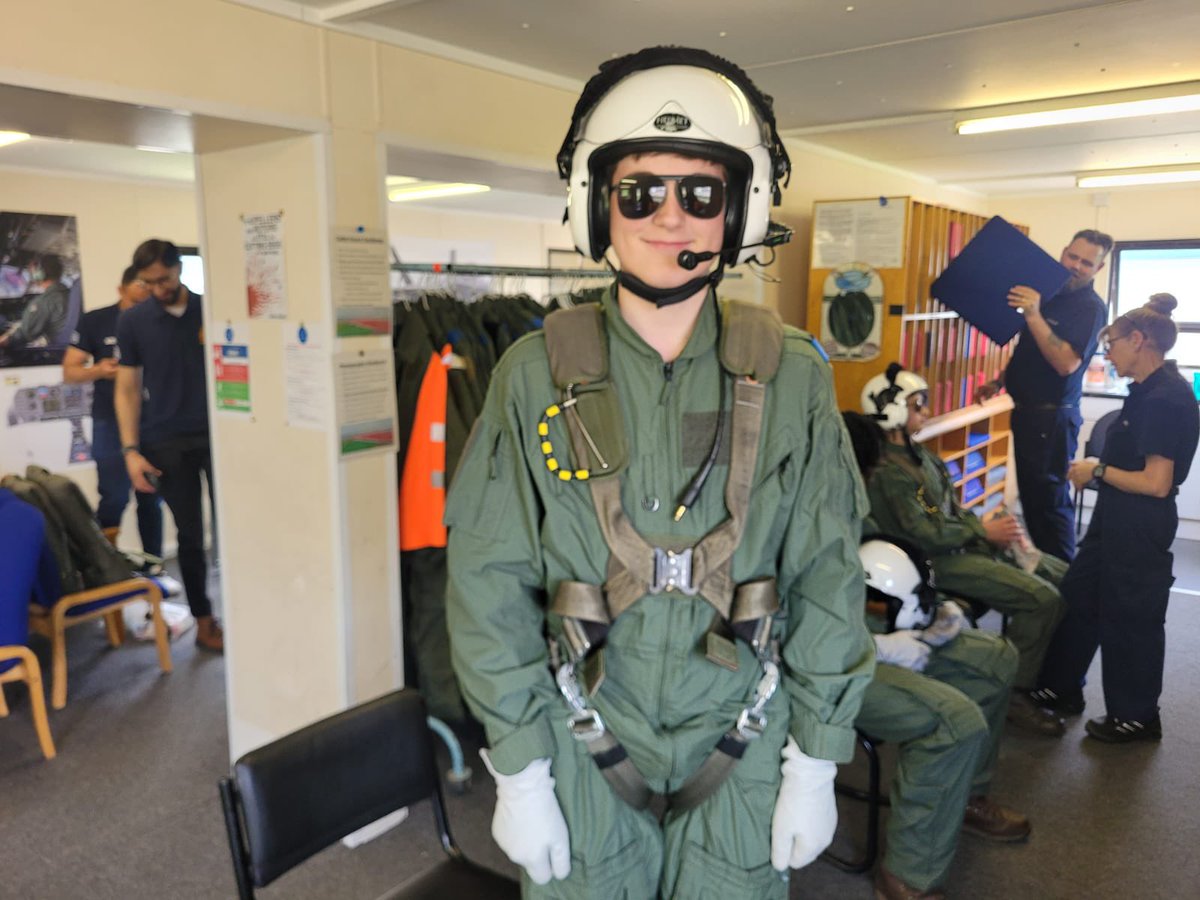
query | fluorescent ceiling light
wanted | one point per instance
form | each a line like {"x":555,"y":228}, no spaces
{"x":1074,"y":115}
{"x":1138,"y":176}
{"x":12,"y":137}
{"x":428,"y":191}
{"x":148,"y":149}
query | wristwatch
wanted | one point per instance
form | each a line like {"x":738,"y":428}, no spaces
{"x":1098,"y":472}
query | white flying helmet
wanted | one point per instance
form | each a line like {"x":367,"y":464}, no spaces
{"x":900,"y":577}
{"x":675,"y":100}
{"x":885,"y":397}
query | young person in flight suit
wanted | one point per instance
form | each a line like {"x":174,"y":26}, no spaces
{"x":939,"y":693}
{"x":662,"y":483}
{"x":1118,"y":586}
{"x":913,"y":497}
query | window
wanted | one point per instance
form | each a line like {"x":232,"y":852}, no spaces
{"x":1142,"y":268}
{"x":192,"y":269}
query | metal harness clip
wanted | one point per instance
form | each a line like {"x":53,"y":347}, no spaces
{"x":673,"y":572}
{"x":585,"y":724}
{"x":752,"y":721}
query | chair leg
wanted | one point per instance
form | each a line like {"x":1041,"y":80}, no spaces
{"x":114,"y":625}
{"x":37,"y":703}
{"x":58,"y":661}
{"x":874,"y":801}
{"x":161,"y":637}
{"x":3,"y":703}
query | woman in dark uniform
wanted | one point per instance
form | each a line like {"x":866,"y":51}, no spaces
{"x":1117,"y":587}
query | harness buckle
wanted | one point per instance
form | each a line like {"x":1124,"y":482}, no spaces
{"x":585,"y":724}
{"x":752,"y":721}
{"x":673,"y":572}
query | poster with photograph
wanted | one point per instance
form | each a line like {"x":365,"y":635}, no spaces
{"x":40,"y":291}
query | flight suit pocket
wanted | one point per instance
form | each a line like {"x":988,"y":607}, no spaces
{"x":481,"y":496}
{"x":626,"y":875}
{"x":704,"y":876}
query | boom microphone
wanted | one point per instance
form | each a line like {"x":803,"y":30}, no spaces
{"x":776,"y":235}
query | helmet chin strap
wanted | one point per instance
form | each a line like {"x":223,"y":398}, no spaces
{"x":661,"y":297}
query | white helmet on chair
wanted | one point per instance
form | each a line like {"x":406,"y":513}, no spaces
{"x":684,"y":101}
{"x":900,"y":577}
{"x":885,"y":397}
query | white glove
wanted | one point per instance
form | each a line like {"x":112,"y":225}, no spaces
{"x":949,"y":622}
{"x":529,"y":824}
{"x":902,"y":648}
{"x":806,"y":812}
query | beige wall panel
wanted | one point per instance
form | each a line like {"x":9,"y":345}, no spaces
{"x":437,"y":104}
{"x":353,"y":81}
{"x":204,"y":49}
{"x":359,"y":169}
{"x":276,"y":485}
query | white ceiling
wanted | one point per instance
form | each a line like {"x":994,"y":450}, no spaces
{"x":883,"y":80}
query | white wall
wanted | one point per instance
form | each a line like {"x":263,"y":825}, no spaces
{"x":112,"y":217}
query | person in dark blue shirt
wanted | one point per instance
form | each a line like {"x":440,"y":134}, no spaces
{"x":1045,"y":379}
{"x":95,"y":341}
{"x":1117,"y":588}
{"x":166,"y":445}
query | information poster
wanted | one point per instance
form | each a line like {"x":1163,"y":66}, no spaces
{"x":306,"y":378}
{"x":364,"y":391}
{"x":266,"y":288}
{"x":362,"y":293}
{"x":231,"y":373}
{"x":859,"y":231}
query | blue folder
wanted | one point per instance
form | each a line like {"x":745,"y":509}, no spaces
{"x":976,"y":283}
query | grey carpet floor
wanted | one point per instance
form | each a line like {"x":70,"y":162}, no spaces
{"x":129,"y":809}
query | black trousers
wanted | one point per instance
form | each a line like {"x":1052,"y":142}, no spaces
{"x":182,"y":460}
{"x":1044,"y":442}
{"x":1116,"y":593}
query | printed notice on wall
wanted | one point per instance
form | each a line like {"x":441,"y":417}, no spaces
{"x":307,"y":377}
{"x":364,"y":391}
{"x":266,"y":287}
{"x":859,"y":231}
{"x":362,"y":293}
{"x":231,"y":372}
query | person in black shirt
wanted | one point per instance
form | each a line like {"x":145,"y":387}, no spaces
{"x":1117,"y":588}
{"x":95,"y":340}
{"x":46,"y":314}
{"x":162,"y":349}
{"x":1045,"y":379}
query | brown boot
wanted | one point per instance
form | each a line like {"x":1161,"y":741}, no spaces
{"x":110,"y":534}
{"x":1024,"y":712}
{"x":889,"y":887}
{"x":209,"y":635}
{"x":987,"y":819}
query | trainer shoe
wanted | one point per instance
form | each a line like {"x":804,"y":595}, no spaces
{"x":1029,"y":716}
{"x":987,"y":819}
{"x":1112,"y":730}
{"x":1064,"y":704}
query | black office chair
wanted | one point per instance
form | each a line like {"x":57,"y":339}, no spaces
{"x":1094,"y":446}
{"x":874,"y":800}
{"x":297,"y":795}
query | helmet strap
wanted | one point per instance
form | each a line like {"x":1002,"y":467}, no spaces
{"x":661,"y":297}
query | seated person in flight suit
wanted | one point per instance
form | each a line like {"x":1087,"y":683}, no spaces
{"x":913,"y":496}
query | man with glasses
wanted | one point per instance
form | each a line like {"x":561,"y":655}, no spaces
{"x":166,"y":448}
{"x":663,"y":485}
{"x":913,"y":498}
{"x":1045,"y":379}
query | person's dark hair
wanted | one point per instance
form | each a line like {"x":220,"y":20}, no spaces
{"x":1153,"y":320}
{"x":52,"y":266}
{"x":1099,"y":238}
{"x":867,"y":439}
{"x":129,"y":276}
{"x":154,"y":251}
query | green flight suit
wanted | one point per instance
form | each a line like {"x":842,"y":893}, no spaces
{"x":947,"y":723}
{"x":517,"y":531}
{"x":918,"y":503}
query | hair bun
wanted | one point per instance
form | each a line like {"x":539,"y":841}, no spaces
{"x":1163,"y":303}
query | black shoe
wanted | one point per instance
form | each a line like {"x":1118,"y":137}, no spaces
{"x":1063,"y":704}
{"x":1112,"y":730}
{"x":1027,"y":715}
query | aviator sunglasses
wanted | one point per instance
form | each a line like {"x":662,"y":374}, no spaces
{"x":641,"y":195}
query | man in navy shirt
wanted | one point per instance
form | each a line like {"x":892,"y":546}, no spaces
{"x":95,"y":341}
{"x":1045,"y":379}
{"x":166,"y":448}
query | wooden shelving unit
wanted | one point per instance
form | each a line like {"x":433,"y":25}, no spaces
{"x":976,"y":443}
{"x":924,"y":336}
